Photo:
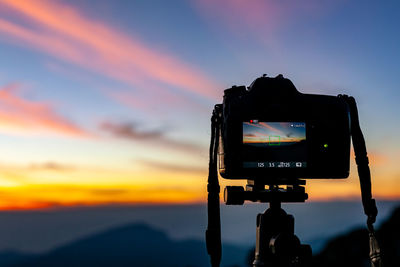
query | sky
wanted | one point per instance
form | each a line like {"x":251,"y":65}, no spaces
{"x":265,"y":132}
{"x":105,"y":102}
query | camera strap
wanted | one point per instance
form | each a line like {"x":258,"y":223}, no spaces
{"x":213,"y":232}
{"x":364,"y":175}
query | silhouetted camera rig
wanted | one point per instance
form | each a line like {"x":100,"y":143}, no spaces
{"x":272,"y":135}
{"x":276,"y":243}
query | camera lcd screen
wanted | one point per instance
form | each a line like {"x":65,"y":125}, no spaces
{"x":274,"y":144}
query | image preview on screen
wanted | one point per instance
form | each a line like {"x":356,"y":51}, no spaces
{"x":274,"y":144}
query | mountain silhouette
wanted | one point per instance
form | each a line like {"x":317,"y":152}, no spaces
{"x":352,"y":249}
{"x":10,"y":257}
{"x":142,"y":245}
{"x":132,"y":245}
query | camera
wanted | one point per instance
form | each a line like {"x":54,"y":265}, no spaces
{"x":271,"y":130}
{"x":274,"y":136}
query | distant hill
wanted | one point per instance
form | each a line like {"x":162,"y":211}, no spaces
{"x":352,"y":249}
{"x":141,"y":245}
{"x":130,"y":245}
{"x":10,"y":258}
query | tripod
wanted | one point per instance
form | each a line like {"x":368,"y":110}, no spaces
{"x":276,"y":243}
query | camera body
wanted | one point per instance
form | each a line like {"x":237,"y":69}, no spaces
{"x":272,"y":131}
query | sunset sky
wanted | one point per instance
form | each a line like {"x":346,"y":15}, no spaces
{"x":107,"y":102}
{"x":264,"y":132}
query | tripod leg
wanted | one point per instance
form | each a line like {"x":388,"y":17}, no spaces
{"x":258,"y":258}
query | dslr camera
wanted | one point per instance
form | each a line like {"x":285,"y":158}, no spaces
{"x":271,"y":131}
{"x":273,"y":135}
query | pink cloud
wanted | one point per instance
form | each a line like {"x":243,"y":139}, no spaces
{"x":148,"y":103}
{"x":263,"y":125}
{"x":261,"y":20}
{"x":240,"y":14}
{"x":66,"y":33}
{"x":266,"y":125}
{"x":18,"y":115}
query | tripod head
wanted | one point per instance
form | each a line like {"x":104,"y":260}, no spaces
{"x":256,"y":191}
{"x":276,"y":243}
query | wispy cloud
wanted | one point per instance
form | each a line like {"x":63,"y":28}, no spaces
{"x":66,"y":33}
{"x":130,"y":131}
{"x":175,"y":168}
{"x":238,"y":15}
{"x":161,"y":106}
{"x":261,"y":20}
{"x":52,"y":166}
{"x":264,"y":126}
{"x":22,"y":116}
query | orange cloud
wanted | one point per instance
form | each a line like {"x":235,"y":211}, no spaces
{"x":18,"y":115}
{"x":53,"y":184}
{"x":69,"y":35}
